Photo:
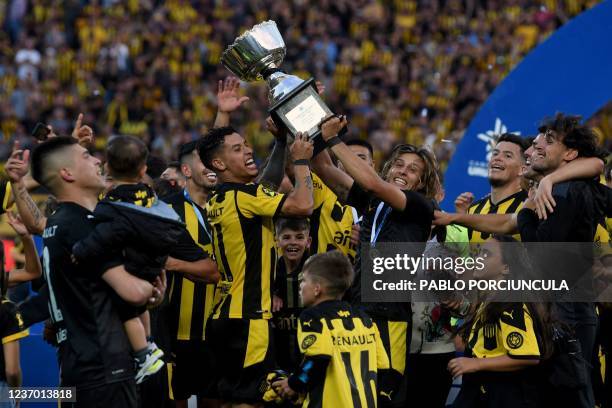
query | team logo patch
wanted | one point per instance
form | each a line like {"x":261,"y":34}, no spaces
{"x":514,"y":340}
{"x":308,"y":341}
{"x":268,"y":192}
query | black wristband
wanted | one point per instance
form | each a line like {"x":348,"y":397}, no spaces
{"x":303,"y":162}
{"x":333,"y":141}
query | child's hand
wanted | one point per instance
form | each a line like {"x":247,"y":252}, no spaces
{"x":463,"y":365}
{"x":282,"y":388}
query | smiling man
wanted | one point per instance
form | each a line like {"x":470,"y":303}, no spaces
{"x":240,"y":214}
{"x":505,"y":169}
{"x":397,"y":206}
{"x":577,"y":213}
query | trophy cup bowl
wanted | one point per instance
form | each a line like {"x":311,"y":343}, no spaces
{"x":294,"y":103}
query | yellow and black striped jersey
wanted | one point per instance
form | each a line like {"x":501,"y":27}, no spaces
{"x":349,"y":339}
{"x":240,"y":216}
{"x":513,"y":335}
{"x":11,"y":329}
{"x":331,"y":222}
{"x":5,"y":195}
{"x":191,"y":303}
{"x":509,"y":205}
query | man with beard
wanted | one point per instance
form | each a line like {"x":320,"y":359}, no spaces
{"x":397,"y":208}
{"x":575,"y":218}
{"x":582,"y":167}
{"x":191,"y":301}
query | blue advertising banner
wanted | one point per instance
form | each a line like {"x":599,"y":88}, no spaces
{"x":571,"y":72}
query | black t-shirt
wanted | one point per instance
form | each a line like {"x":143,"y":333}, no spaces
{"x":93,"y":347}
{"x":577,"y":213}
{"x":411,"y":225}
{"x":11,"y":329}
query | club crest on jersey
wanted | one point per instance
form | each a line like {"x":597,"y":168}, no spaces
{"x":268,"y":192}
{"x":514,"y":340}
{"x":308,"y":341}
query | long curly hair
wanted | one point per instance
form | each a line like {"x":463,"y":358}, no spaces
{"x":430,"y":178}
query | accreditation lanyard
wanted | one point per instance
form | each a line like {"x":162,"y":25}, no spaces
{"x":197,"y":213}
{"x":376,"y":231}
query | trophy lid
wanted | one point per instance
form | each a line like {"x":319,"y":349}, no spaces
{"x":256,"y":50}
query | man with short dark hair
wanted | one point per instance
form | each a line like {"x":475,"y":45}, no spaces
{"x":94,"y":353}
{"x":362,"y":149}
{"x":240,"y":214}
{"x":577,"y":212}
{"x":505,"y":169}
{"x":191,"y":302}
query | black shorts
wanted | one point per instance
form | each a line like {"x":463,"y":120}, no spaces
{"x":122,"y":394}
{"x":192,"y":370}
{"x":245,"y":355}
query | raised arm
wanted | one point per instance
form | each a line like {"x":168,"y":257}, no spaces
{"x":272,"y":175}
{"x":359,"y":170}
{"x":228,"y":100}
{"x":299,"y":201}
{"x":32,"y":269}
{"x":16,"y":169}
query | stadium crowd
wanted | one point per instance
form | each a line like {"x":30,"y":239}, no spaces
{"x":176,"y":262}
{"x":405,"y":71}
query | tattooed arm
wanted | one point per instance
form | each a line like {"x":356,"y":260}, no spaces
{"x":300,"y":202}
{"x":31,"y":215}
{"x":16,"y":169}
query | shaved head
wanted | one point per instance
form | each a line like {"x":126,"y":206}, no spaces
{"x":49,"y":157}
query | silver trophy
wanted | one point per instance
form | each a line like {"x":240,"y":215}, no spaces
{"x":257,"y":54}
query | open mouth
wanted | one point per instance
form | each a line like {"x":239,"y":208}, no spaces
{"x":497,"y":167}
{"x":250,"y":164}
{"x":212,"y":177}
{"x":400,"y":181}
{"x":292,"y":250}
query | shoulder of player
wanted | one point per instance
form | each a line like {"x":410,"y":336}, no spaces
{"x":573,"y":188}
{"x":69,"y":218}
{"x":174,"y":199}
{"x":480,"y":201}
{"x":514,"y":315}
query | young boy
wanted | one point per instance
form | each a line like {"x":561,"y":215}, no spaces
{"x":132,"y":221}
{"x":293,"y":240}
{"x":341,"y":345}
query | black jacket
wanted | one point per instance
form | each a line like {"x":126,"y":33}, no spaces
{"x":132,"y":221}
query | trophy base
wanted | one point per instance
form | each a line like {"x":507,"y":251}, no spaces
{"x":302,"y":110}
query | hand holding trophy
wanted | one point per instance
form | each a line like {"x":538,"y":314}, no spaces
{"x":294,"y":103}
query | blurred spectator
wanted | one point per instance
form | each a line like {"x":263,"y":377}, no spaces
{"x":402,"y":70}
